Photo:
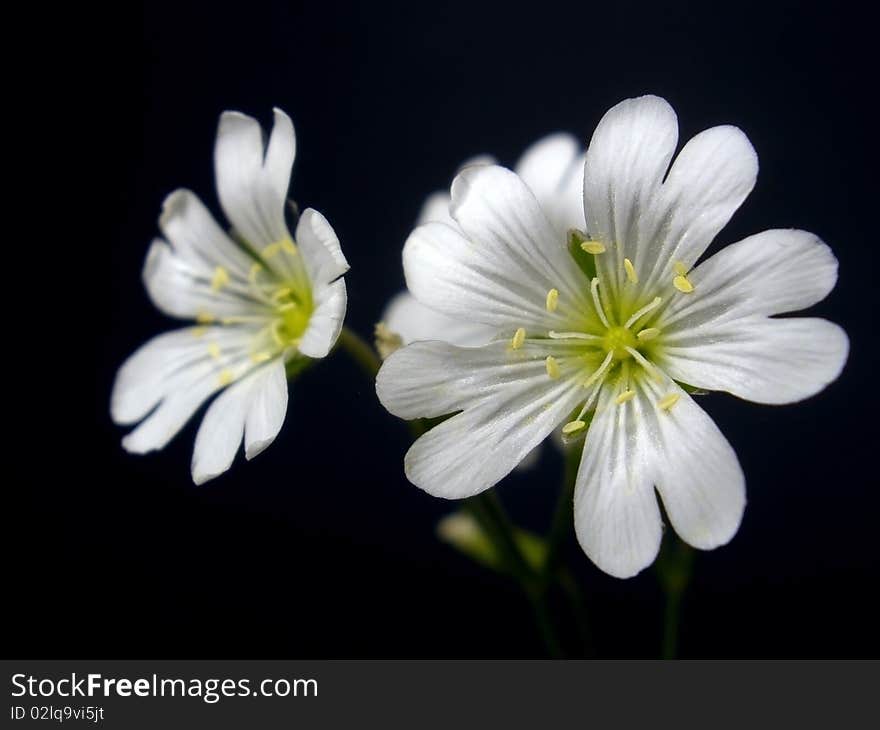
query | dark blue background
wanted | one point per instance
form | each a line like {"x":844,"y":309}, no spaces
{"x":320,"y":548}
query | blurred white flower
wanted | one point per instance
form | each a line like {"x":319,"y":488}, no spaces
{"x":604,"y":346}
{"x":262,"y":300}
{"x":553,"y":168}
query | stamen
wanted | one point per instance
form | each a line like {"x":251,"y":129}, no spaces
{"x":680,"y":268}
{"x":642,"y":312}
{"x":573,"y":426}
{"x":276,"y":332}
{"x":220,"y":278}
{"x":198,"y":331}
{"x":226,"y":377}
{"x":630,"y":271}
{"x":648,"y":334}
{"x":256,"y":268}
{"x":273,"y":249}
{"x":589,"y":402}
{"x":552,"y":367}
{"x":649,"y":368}
{"x":204,"y":318}
{"x":600,"y":371}
{"x":593,"y":247}
{"x":242,"y":319}
{"x":554,"y":335}
{"x":552,"y":300}
{"x":214,"y":350}
{"x":683,"y":284}
{"x":259,"y":357}
{"x":667,"y":401}
{"x":625,"y":396}
{"x":518,"y":338}
{"x":594,"y":290}
{"x":289,"y":246}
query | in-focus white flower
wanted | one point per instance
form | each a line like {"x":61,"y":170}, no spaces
{"x":263,"y":301}
{"x":553,"y":169}
{"x":603,"y":345}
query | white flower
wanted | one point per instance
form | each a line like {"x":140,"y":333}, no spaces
{"x":604,"y":346}
{"x":552,"y":168}
{"x":263,"y":301}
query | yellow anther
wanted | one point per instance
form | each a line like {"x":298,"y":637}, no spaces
{"x":259,"y":357}
{"x":386,"y":340}
{"x":214,"y":350}
{"x":625,"y":396}
{"x":552,"y":367}
{"x":683,"y":284}
{"x":593,"y":247}
{"x":289,"y":246}
{"x":199,"y":331}
{"x":220,"y":278}
{"x":519,"y":337}
{"x":281,"y":293}
{"x":226,"y":377}
{"x":204,"y":317}
{"x":273,"y":249}
{"x":256,"y":268}
{"x":680,"y":268}
{"x":573,"y":427}
{"x":552,"y":300}
{"x":276,"y":332}
{"x":649,"y":333}
{"x":630,"y":271}
{"x":667,"y":401}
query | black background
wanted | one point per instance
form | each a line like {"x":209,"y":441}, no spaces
{"x":320,"y":548}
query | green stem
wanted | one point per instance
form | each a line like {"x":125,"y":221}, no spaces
{"x":545,"y":625}
{"x":579,"y":609}
{"x":674,"y":568}
{"x":563,"y":517}
{"x":485,"y":507}
{"x":670,"y":624}
{"x":360,"y":351}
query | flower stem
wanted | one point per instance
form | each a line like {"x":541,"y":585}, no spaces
{"x":560,"y":528}
{"x":485,"y":507}
{"x":674,"y":568}
{"x":360,"y":351}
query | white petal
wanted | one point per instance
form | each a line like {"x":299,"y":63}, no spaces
{"x":267,"y":410}
{"x":769,"y":273}
{"x":617,"y":519}
{"x":413,"y":321}
{"x":430,"y":379}
{"x":625,"y":164}
{"x":253,"y":195}
{"x":436,"y":209}
{"x":197,"y":238}
{"x":180,"y":289}
{"x":711,"y":177}
{"x":280,"y":153}
{"x":254,"y":408}
{"x":475,"y":449}
{"x":154,"y":368}
{"x":758,"y":358}
{"x":321,"y":252}
{"x":553,"y":168}
{"x":179,"y":377}
{"x":501,"y":216}
{"x":501,"y":277}
{"x":326,"y":321}
{"x":698,"y":475}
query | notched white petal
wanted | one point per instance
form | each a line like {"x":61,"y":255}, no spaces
{"x":326,"y":320}
{"x":322,"y":254}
